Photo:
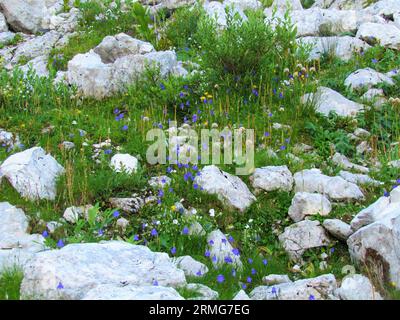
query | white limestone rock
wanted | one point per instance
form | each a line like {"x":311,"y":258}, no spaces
{"x":241,"y":295}
{"x":3,"y":23}
{"x":24,"y":16}
{"x":230,"y":189}
{"x":38,"y":66}
{"x":81,"y":267}
{"x":336,"y":188}
{"x":73,"y":214}
{"x":272,"y":178}
{"x":319,"y":288}
{"x":327,"y":100}
{"x":35,"y":47}
{"x":342,"y":47}
{"x":33,"y":173}
{"x":273,"y":279}
{"x":387,"y":35}
{"x":357,"y":287}
{"x":338,"y":228}
{"x":220,"y":248}
{"x":308,"y":204}
{"x":366,"y":78}
{"x":190,"y":266}
{"x":16,"y":244}
{"x":359,"y":179}
{"x":343,"y":162}
{"x":376,"y":242}
{"x":124,"y":163}
{"x":90,"y":75}
{"x":131,"y":292}
{"x":120,"y":45}
{"x":301,"y":236}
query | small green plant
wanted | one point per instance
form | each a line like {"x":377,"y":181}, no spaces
{"x":10,"y":283}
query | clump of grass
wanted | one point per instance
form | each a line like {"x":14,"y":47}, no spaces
{"x":10,"y":283}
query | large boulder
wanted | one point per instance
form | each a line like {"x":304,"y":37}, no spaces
{"x":319,"y":288}
{"x":33,"y":173}
{"x":220,"y":250}
{"x":336,"y":188}
{"x":343,"y":162}
{"x":323,"y":22}
{"x":131,"y":292}
{"x":16,"y":244}
{"x":357,"y":287}
{"x":190,"y":266}
{"x":90,"y":75}
{"x":340,"y":4}
{"x":358,"y":178}
{"x":341,"y":47}
{"x":25,"y":16}
{"x":337,"y":228}
{"x":272,"y":178}
{"x":308,"y":204}
{"x":301,"y":236}
{"x":376,"y":243}
{"x":114,"y":47}
{"x":284,"y":5}
{"x":327,"y":100}
{"x":117,"y":62}
{"x":244,"y":4}
{"x":3,"y":23}
{"x":228,"y":188}
{"x":71,"y":272}
{"x":366,"y":79}
{"x":217,"y":11}
{"x":387,"y":35}
{"x":38,"y":46}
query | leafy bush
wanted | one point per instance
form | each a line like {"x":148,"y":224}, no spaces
{"x":247,"y":51}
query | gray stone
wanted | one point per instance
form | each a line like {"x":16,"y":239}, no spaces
{"x":190,"y":266}
{"x":366,"y":78}
{"x":114,"y":47}
{"x":376,"y":244}
{"x":35,"y":47}
{"x":336,"y":188}
{"x":16,"y":244}
{"x":241,"y":295}
{"x":131,"y":292}
{"x":327,"y":100}
{"x":308,"y":204}
{"x":32,"y":173}
{"x":220,"y":248}
{"x":78,"y":268}
{"x":273,"y":279}
{"x":272,"y":178}
{"x":359,"y":179}
{"x":301,"y":236}
{"x":319,"y":288}
{"x":341,"y":47}
{"x":203,"y":292}
{"x":124,"y":163}
{"x":24,"y":16}
{"x":230,"y":189}
{"x":387,"y":35}
{"x":357,"y":287}
{"x":338,"y":228}
{"x":343,"y":162}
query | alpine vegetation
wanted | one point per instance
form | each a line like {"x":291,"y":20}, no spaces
{"x":202,"y":150}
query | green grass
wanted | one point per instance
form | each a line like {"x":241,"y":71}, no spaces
{"x":243,"y":88}
{"x":10,"y":282}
